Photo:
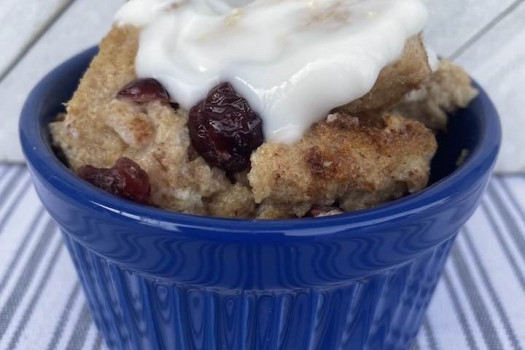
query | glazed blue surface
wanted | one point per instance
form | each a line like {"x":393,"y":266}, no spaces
{"x":162,"y":280}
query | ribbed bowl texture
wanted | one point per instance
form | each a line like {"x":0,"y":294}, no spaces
{"x":169,"y":281}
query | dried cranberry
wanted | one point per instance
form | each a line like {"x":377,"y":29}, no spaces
{"x":144,"y":91}
{"x":324,"y":210}
{"x":125,"y":179}
{"x":224,"y":130}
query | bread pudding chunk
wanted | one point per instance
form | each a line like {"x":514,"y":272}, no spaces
{"x":332,"y":111}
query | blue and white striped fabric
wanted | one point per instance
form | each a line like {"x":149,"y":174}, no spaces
{"x":479,"y":303}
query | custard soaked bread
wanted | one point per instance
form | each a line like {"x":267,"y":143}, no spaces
{"x":124,"y":132}
{"x":394,"y":81}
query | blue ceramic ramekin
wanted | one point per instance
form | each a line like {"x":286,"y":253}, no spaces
{"x":162,"y":280}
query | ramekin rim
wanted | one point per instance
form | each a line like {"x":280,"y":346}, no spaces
{"x":40,"y":158}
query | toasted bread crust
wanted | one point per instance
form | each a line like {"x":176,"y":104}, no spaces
{"x":394,"y":81}
{"x":334,"y":162}
{"x":345,"y":160}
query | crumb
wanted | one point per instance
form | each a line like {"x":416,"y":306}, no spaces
{"x":462,"y":157}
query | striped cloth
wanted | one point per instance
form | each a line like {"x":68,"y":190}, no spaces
{"x":479,"y":303}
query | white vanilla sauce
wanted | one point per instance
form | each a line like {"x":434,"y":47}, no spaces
{"x":293,"y":60}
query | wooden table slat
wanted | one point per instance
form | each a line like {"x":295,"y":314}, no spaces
{"x":83,"y":24}
{"x":22,"y":22}
{"x":453,"y":22}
